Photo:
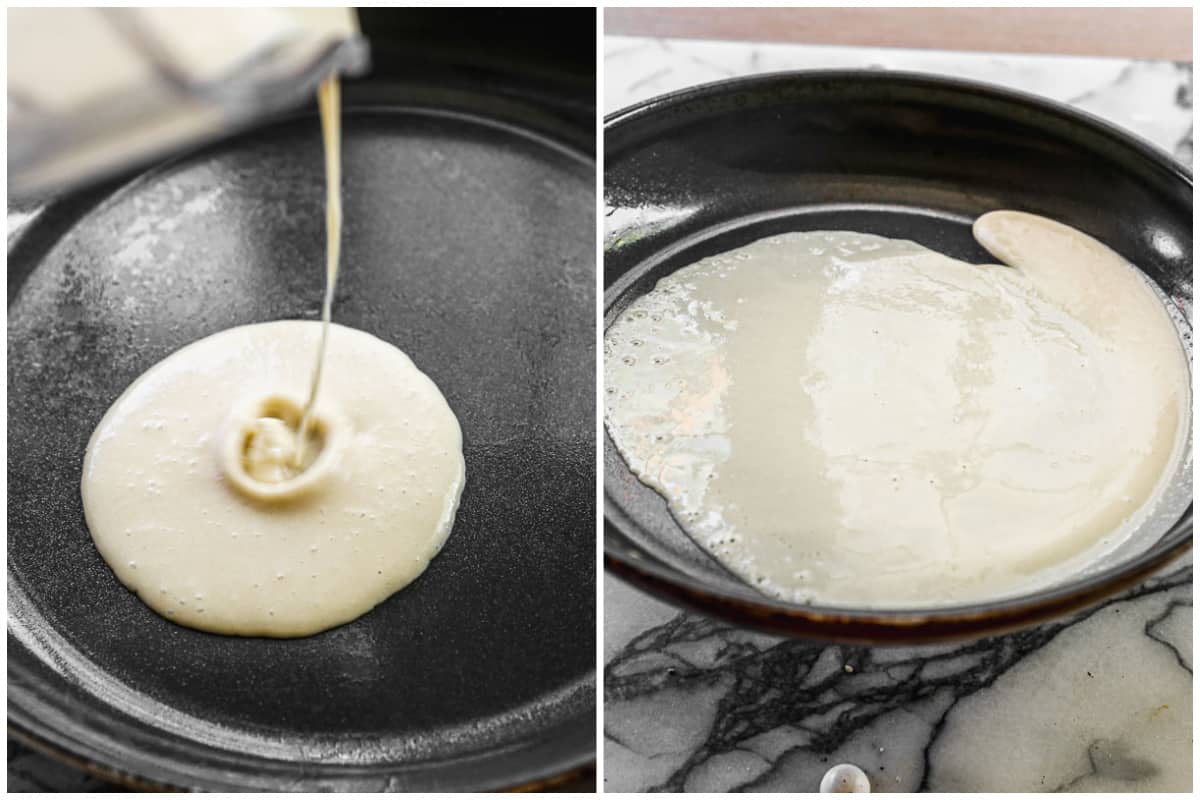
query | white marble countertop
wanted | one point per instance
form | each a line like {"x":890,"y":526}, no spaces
{"x":1098,"y":702}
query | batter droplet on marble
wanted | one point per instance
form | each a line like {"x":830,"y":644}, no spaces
{"x":845,"y":778}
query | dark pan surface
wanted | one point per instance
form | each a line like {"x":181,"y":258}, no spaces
{"x":709,"y":169}
{"x":469,"y":243}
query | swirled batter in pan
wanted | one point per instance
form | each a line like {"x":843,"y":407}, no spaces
{"x":193,"y":498}
{"x":236,"y":496}
{"x":847,"y":419}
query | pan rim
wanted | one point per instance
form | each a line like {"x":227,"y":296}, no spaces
{"x":893,"y":625}
{"x":910,"y":78}
{"x":131,"y":749}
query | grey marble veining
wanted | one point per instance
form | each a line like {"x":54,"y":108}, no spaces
{"x":1097,"y":702}
{"x":1100,"y":701}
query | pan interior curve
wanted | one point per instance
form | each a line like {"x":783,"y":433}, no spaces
{"x":468,"y":244}
{"x":713,"y":168}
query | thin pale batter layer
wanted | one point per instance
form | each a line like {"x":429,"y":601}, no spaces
{"x":299,"y":555}
{"x":851,"y":420}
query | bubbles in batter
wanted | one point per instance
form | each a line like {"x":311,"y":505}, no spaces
{"x":194,"y":497}
{"x":846,"y":419}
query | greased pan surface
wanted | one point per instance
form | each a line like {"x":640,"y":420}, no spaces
{"x":469,"y":243}
{"x":708,"y":169}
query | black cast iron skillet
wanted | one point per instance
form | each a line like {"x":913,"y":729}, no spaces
{"x":469,"y":243}
{"x":712,"y":168}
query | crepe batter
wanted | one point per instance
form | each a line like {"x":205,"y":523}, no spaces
{"x":846,"y":419}
{"x":232,"y":496}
